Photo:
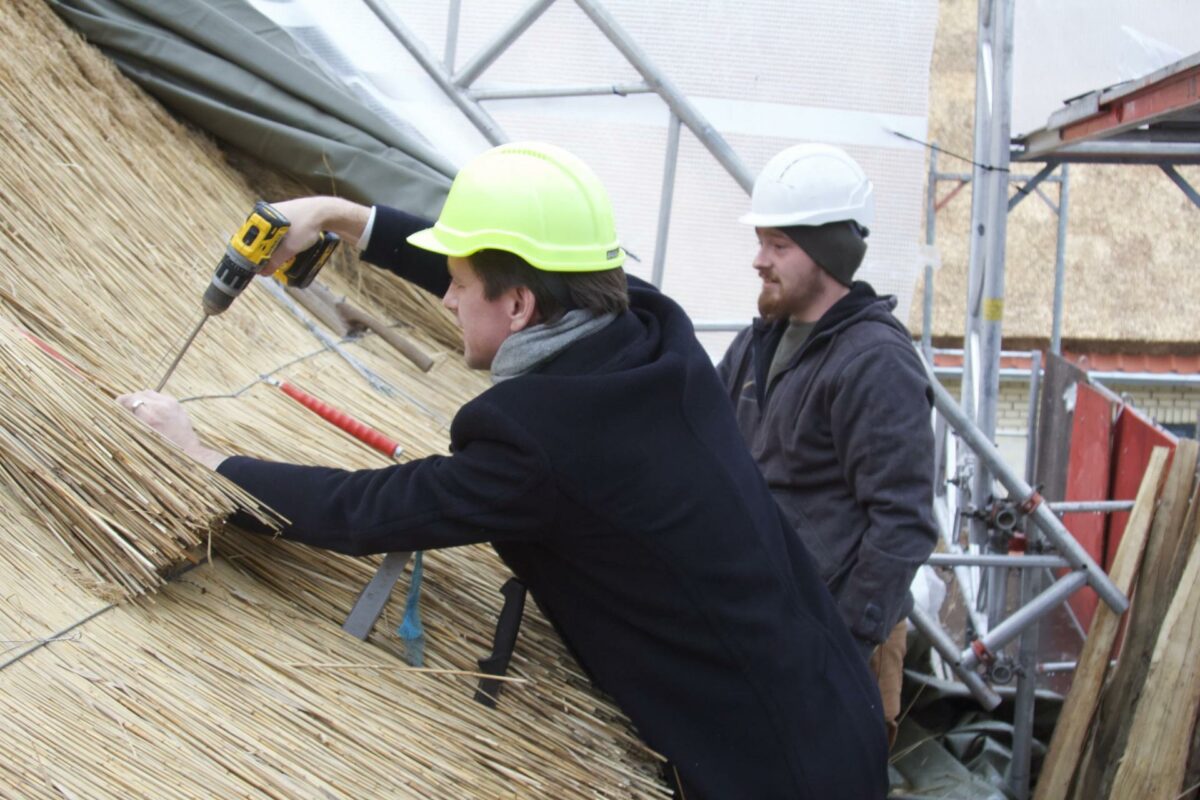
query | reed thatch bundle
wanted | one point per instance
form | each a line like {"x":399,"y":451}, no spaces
{"x":129,"y":508}
{"x":234,"y":679}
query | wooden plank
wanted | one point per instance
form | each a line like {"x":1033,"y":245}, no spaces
{"x":1191,"y":779}
{"x":1153,"y":765}
{"x":1077,"y":711}
{"x":1158,"y":579}
{"x":1134,"y":437}
{"x":1162,"y":566}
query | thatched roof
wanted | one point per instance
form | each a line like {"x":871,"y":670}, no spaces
{"x":1130,"y":271}
{"x":234,"y":678}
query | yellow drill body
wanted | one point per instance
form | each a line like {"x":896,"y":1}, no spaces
{"x":246,"y":253}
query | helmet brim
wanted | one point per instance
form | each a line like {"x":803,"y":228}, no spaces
{"x":863,"y":217}
{"x":427,"y":239}
{"x":436,"y":241}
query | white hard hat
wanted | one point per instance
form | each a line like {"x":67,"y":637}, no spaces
{"x":811,"y":184}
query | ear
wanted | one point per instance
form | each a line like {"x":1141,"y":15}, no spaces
{"x":522,"y":309}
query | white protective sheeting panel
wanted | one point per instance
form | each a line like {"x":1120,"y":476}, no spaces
{"x":1065,"y":48}
{"x":765,"y":73}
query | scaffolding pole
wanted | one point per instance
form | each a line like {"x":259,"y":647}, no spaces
{"x":1028,"y":185}
{"x":493,"y":49}
{"x":930,"y":238}
{"x":1031,"y":584}
{"x":470,"y":108}
{"x":1029,"y":501}
{"x":996,"y":560}
{"x":1023,"y":712}
{"x":671,"y":95}
{"x":1092,"y":506}
{"x":989,"y":213}
{"x":1060,"y":249}
{"x":1182,"y":183}
{"x":668,"y":195}
{"x":982,"y":649}
{"x":451,"y":49}
{"x":543,"y":92}
{"x":946,"y":648}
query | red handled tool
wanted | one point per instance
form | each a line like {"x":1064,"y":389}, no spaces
{"x":364,"y":433}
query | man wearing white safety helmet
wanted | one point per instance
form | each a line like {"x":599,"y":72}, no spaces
{"x":834,"y":402}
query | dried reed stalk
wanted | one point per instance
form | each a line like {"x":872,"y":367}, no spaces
{"x":114,"y":216}
{"x":200,"y":695}
{"x":40,"y":595}
{"x":106,"y":263}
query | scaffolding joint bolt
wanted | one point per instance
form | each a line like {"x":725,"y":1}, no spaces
{"x":1002,"y":671}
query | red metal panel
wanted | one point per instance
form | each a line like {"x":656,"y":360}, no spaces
{"x":1089,"y":467}
{"x":1133,"y":438}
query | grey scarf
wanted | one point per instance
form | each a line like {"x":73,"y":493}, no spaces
{"x":524,"y":350}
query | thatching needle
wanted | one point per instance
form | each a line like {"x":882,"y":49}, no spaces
{"x":182,"y":350}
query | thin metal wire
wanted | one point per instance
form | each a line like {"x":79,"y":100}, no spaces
{"x":56,"y":637}
{"x":62,"y":635}
{"x":938,"y":149}
{"x":260,"y":378}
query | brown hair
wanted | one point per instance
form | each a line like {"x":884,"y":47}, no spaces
{"x":602,"y":292}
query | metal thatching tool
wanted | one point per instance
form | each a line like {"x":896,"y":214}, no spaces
{"x":376,"y":593}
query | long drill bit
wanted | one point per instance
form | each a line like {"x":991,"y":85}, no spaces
{"x":182,"y":350}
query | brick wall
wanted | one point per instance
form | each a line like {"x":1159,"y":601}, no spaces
{"x":1012,"y":408}
{"x":1167,"y":405}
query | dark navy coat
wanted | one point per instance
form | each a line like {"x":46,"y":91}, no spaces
{"x":615,"y":484}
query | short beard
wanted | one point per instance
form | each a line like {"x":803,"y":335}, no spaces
{"x":768,"y":308}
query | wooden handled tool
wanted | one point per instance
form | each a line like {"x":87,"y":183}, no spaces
{"x":319,"y":301}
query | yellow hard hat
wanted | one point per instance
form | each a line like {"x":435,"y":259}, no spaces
{"x":534,"y":200}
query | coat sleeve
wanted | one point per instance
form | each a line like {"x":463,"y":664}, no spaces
{"x":495,"y":487}
{"x":729,"y":369}
{"x":725,"y":367}
{"x":880,"y":418}
{"x":389,"y":249}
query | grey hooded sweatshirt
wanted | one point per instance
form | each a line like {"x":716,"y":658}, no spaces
{"x":843,"y":437}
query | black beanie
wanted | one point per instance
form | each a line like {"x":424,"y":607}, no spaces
{"x":837,"y":247}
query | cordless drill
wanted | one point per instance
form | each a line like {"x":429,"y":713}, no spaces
{"x":247,"y":252}
{"x":251,"y":248}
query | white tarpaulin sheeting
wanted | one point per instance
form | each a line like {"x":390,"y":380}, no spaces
{"x":765,"y":73}
{"x":1065,"y":48}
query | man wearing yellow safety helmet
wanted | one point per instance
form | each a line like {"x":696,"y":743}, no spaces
{"x":605,"y":467}
{"x":833,"y":401}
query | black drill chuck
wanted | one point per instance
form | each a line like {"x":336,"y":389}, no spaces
{"x":228,"y":281}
